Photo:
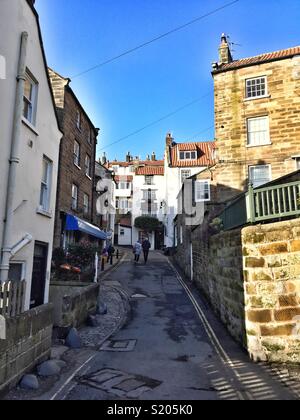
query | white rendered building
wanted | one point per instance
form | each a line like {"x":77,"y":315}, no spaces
{"x":30,"y":140}
{"x":182,"y":160}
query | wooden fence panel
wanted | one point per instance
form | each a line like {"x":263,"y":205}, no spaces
{"x":12,"y":298}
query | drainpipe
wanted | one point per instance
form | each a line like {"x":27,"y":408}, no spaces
{"x":14,"y":161}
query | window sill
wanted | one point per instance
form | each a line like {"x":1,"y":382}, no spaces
{"x":45,"y":213}
{"x":249,"y":146}
{"x":202,"y":201}
{"x":77,"y":166}
{"x":257,"y":98}
{"x":30,"y":126}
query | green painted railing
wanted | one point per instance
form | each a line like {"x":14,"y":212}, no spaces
{"x":262,"y":204}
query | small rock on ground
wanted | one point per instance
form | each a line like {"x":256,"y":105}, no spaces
{"x":29,"y":382}
{"x":73,"y":340}
{"x":49,"y":368}
{"x":58,"y":351}
{"x":60,"y":363}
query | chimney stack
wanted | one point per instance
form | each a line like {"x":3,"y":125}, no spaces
{"x":128,"y":157}
{"x":225,"y":56}
{"x":169,"y":140}
{"x":153,"y":157}
{"x":104,"y":159}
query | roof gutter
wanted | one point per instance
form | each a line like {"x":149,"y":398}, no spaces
{"x":14,"y":162}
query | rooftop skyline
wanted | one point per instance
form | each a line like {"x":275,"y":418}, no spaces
{"x":171,"y":77}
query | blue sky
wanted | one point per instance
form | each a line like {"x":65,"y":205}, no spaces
{"x":140,"y":88}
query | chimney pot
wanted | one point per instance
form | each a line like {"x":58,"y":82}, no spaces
{"x":225,"y":56}
{"x":169,"y":139}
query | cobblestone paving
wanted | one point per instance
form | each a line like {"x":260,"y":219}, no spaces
{"x":116,"y":310}
{"x":92,"y":338}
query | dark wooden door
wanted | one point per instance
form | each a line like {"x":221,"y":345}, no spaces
{"x":39,"y":275}
{"x":159,"y":239}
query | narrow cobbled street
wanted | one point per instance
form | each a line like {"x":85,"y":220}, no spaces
{"x":172,"y":347}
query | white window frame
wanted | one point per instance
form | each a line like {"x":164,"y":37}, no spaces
{"x":259,"y":166}
{"x":199,"y":182}
{"x":77,"y":153}
{"x":149,"y":195}
{"x":256,"y":79}
{"x":86,"y":203}
{"x":46,"y":184}
{"x":149,"y":178}
{"x":124,"y":204}
{"x":124,"y":185}
{"x":268,"y":137}
{"x":75,"y":197}
{"x":186,"y":177}
{"x":88,"y":166}
{"x":31,"y":102}
{"x":187,"y":155}
{"x":23,"y":265}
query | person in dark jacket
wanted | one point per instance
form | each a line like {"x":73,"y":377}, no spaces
{"x":146,"y":248}
{"x":110,"y":251}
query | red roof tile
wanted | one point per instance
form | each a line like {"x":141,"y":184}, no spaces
{"x":259,"y":59}
{"x":151,"y":170}
{"x":126,"y":222}
{"x":204,"y":154}
{"x":124,"y":178}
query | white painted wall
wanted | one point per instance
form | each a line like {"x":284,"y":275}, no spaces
{"x":124,"y":240}
{"x":138,"y":187}
{"x":16,"y":17}
{"x":173,"y":186}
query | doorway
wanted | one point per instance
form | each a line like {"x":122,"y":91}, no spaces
{"x":159,"y":238}
{"x":38,"y":282}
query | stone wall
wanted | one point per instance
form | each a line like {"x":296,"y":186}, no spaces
{"x":73,"y":303}
{"x":272,"y":290}
{"x":218,"y":273}
{"x":251,"y":277}
{"x":28,"y":343}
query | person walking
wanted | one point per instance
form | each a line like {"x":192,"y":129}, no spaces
{"x":146,"y":248}
{"x":111,"y":251}
{"x":137,"y":250}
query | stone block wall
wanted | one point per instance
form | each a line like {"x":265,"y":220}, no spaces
{"x":232,"y":110}
{"x":251,"y":277}
{"x":272,"y":290}
{"x":218,"y":273}
{"x":28,"y":343}
{"x":73,"y":303}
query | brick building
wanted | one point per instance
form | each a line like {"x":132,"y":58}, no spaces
{"x":257,"y":126}
{"x":257,"y":120}
{"x":75,"y":209}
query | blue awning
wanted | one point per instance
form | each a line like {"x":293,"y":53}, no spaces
{"x":73,"y":223}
